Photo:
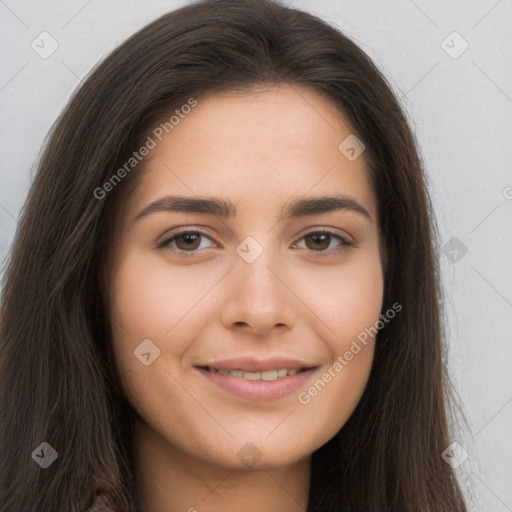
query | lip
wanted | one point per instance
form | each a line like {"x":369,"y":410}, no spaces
{"x":259,"y":391}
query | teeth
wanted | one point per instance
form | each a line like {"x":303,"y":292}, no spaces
{"x":252,"y":375}
{"x":267,"y":375}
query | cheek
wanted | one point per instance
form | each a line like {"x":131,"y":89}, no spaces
{"x":149,"y":299}
{"x":152,"y":301}
{"x":347,"y":298}
{"x":349,"y":303}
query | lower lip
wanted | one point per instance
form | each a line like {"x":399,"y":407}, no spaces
{"x":259,"y":390}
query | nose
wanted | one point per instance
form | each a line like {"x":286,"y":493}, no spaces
{"x":259,"y":297}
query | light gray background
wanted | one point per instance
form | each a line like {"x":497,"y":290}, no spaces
{"x":460,"y":109}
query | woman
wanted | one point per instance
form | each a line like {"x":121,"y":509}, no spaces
{"x":293,"y":359}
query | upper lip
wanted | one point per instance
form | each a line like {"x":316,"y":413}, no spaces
{"x":253,"y":364}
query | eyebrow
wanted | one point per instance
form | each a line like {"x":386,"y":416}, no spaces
{"x":224,"y":208}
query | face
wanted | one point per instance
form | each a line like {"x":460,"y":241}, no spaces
{"x":233,"y":322}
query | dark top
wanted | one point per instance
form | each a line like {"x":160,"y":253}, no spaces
{"x":100,"y":504}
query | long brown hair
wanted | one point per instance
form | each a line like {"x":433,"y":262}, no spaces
{"x":59,"y":382}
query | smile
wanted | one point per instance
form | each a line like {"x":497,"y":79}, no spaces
{"x":258,"y":380}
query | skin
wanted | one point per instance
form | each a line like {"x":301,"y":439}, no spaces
{"x":259,"y":150}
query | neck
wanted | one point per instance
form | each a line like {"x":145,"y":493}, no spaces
{"x":170,"y":481}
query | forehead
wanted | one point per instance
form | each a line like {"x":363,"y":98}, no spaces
{"x":256,"y":149}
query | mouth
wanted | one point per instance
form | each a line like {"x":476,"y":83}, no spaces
{"x":257,"y":380}
{"x":265,"y":375}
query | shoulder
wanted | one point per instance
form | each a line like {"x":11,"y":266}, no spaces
{"x":100,"y":504}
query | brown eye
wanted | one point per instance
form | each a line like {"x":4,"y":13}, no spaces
{"x":186,"y":241}
{"x":319,"y":241}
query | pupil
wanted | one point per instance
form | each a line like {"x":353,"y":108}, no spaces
{"x":324,"y":236}
{"x":189,"y":238}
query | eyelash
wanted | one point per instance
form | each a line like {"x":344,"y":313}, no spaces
{"x":165,"y":244}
